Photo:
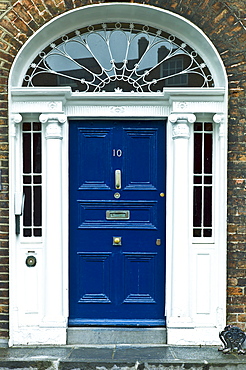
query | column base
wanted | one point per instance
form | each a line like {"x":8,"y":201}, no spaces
{"x":193,"y":336}
{"x":39,"y":336}
{"x":51,"y":321}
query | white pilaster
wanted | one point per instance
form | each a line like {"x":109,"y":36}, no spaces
{"x":220,"y":213}
{"x":53,"y":306}
{"x":16,"y":118}
{"x":179,"y":316}
{"x":14,"y":186}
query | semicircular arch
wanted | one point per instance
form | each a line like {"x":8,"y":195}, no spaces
{"x":119,"y":12}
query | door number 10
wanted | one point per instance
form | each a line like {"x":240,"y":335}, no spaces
{"x":117,"y":153}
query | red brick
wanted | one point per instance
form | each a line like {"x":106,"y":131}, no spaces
{"x":232,"y":281}
{"x":235,"y":291}
{"x":235,"y":309}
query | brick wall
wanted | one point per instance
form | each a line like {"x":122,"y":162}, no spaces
{"x":224,"y":22}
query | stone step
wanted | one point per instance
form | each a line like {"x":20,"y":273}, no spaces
{"x":122,"y":357}
{"x":106,"y":336}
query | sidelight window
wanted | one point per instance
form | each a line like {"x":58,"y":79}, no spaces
{"x":203,"y":180}
{"x":32,"y":179}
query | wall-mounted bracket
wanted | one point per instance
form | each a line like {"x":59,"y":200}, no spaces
{"x":19,"y":199}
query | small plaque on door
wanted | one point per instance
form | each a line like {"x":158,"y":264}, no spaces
{"x":117,"y":215}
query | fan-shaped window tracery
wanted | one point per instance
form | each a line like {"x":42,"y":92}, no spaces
{"x":118,"y":57}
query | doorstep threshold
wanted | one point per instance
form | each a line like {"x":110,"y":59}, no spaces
{"x":116,"y":335}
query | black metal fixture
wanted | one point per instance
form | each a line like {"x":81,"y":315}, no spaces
{"x":31,"y":261}
{"x":233,"y":339}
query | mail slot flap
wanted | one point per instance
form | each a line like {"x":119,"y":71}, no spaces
{"x":118,"y":215}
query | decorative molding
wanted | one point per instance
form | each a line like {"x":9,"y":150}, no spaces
{"x":188,"y":117}
{"x":37,"y":106}
{"x":197,"y":106}
{"x":219,"y":119}
{"x":181,"y":128}
{"x":54,"y":105}
{"x":117,"y":110}
{"x":53,"y":128}
{"x":16,"y":118}
{"x":182,"y":106}
{"x":53,"y":117}
{"x":85,"y":107}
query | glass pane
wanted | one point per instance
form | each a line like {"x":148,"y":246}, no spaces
{"x":197,"y":153}
{"x":197,"y":179}
{"x":27,"y":232}
{"x":207,"y":206}
{"x":27,"y":153}
{"x":37,"y":179}
{"x":197,"y":206}
{"x":37,"y":153}
{"x":37,"y":205}
{"x":36,"y":126}
{"x":27,"y":216}
{"x":37,"y":232}
{"x":116,"y":38}
{"x":27,"y":179}
{"x":207,"y":233}
{"x":197,"y":233}
{"x":208,"y":141}
{"x":26,"y":126}
{"x":198,"y":126}
{"x":207,"y":179}
{"x":208,"y":126}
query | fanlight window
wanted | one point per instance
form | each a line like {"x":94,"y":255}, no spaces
{"x":118,"y":57}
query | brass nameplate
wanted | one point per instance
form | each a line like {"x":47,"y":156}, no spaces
{"x":117,"y":215}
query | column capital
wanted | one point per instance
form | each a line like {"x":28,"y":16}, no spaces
{"x":54,"y":122}
{"x":53,"y":117}
{"x":188,"y":117}
{"x":181,"y":121}
{"x":218,"y":118}
{"x":15,"y":119}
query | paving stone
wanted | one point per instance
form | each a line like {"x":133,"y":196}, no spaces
{"x":119,"y":357}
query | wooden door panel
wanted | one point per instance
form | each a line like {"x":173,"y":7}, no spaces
{"x":110,"y":283}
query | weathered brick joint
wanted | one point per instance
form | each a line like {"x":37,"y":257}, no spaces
{"x":224,"y":22}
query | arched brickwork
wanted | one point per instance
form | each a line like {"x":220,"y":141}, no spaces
{"x":224,"y":23}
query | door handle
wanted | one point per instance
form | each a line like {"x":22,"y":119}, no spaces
{"x":116,"y":240}
{"x":117,"y":176}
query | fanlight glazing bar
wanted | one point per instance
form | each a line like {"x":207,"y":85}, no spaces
{"x":118,"y":57}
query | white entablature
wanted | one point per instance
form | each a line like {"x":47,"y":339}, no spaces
{"x":72,"y":104}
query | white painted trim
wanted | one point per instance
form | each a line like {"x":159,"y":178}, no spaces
{"x":119,"y":12}
{"x":29,"y":327}
{"x":64,"y":101}
{"x":54,"y":106}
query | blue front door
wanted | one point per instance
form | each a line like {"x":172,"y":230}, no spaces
{"x":117,"y":223}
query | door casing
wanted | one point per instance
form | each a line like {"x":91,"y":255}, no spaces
{"x":27,"y":105}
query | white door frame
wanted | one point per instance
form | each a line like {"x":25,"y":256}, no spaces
{"x":39,"y":296}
